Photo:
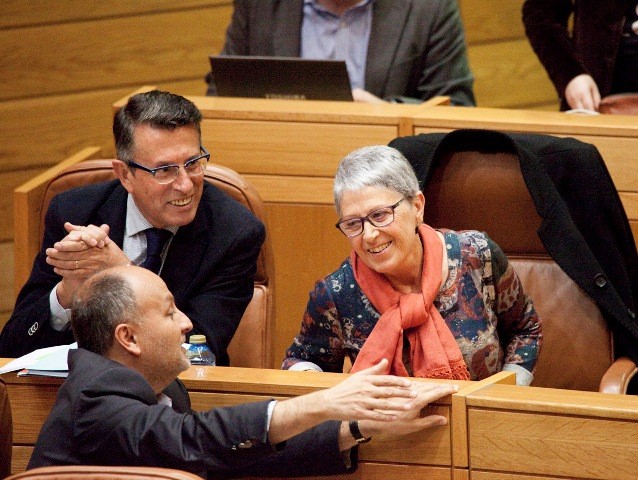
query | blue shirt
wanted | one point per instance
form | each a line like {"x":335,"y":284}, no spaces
{"x":325,"y":35}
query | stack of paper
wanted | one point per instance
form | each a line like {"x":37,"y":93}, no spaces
{"x":50,"y":362}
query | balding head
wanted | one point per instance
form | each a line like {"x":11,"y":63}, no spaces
{"x":128,"y":315}
{"x":104,"y":301}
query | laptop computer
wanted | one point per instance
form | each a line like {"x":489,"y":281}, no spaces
{"x":280,"y":77}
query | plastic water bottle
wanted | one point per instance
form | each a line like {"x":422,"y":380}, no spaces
{"x":199,"y":353}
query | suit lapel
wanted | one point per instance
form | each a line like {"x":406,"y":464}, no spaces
{"x":113,"y":213}
{"x":388,"y":19}
{"x":287,"y":19}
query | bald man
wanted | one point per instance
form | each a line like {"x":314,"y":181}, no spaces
{"x":110,"y":410}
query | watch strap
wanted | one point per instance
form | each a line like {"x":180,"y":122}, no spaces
{"x":356,"y":433}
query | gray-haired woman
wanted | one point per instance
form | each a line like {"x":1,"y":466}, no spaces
{"x":436,"y":303}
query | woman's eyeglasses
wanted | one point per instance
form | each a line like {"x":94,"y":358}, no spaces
{"x":351,"y":227}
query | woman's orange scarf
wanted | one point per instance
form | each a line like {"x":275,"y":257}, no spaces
{"x":434,"y":352}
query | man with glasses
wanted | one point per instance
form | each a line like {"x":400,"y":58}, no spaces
{"x":159,"y":213}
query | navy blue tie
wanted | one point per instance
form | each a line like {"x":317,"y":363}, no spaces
{"x":156,"y":238}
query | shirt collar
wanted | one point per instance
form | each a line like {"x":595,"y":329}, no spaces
{"x":318,"y":7}
{"x":136,"y":222}
{"x":163,"y":399}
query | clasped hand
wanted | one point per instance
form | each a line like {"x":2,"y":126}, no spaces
{"x":84,"y":251}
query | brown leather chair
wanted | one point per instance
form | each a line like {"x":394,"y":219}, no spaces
{"x":486,"y":192}
{"x":6,"y":431}
{"x":257,"y":325}
{"x":619,"y":104}
{"x":86,"y":472}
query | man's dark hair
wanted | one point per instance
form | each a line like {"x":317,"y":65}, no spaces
{"x":101,"y":304}
{"x":158,"y":109}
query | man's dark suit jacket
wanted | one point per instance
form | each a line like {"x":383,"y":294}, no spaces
{"x":584,"y":226}
{"x":108,"y":414}
{"x":417,"y":47}
{"x":591,"y":48}
{"x":209,"y":266}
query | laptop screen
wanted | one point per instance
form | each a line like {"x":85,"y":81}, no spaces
{"x":280,"y":77}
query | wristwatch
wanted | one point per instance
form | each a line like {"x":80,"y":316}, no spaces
{"x":356,"y":433}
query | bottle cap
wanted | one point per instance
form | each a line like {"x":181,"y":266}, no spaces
{"x":197,"y":339}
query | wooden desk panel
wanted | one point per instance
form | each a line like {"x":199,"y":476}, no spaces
{"x":447,"y":118}
{"x":615,"y":136}
{"x":222,"y":386}
{"x":288,"y":148}
{"x":428,"y":453}
{"x":553,"y":445}
{"x":296,"y":137}
{"x":496,"y":430}
{"x":31,"y":401}
{"x":551,"y":432}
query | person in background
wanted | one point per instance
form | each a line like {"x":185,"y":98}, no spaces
{"x":110,"y":410}
{"x":600,"y":55}
{"x":159,"y":213}
{"x":395,"y":50}
{"x":438,"y":303}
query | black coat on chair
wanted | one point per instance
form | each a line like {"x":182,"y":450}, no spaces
{"x":583,"y":225}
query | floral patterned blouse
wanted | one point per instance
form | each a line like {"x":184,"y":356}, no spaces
{"x":482,"y":302}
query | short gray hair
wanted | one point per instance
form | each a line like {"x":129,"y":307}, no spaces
{"x":100,"y":305}
{"x":375,"y":166}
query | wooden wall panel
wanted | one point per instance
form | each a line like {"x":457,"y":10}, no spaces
{"x":14,"y":13}
{"x":620,"y":156}
{"x":552,"y":433}
{"x":301,"y":258}
{"x":490,"y":21}
{"x":507,"y":72}
{"x":20,"y":458}
{"x":119,"y":51}
{"x":630,"y":203}
{"x":203,"y":401}
{"x":480,"y":475}
{"x":46,"y":130}
{"x":508,"y":75}
{"x":33,"y":406}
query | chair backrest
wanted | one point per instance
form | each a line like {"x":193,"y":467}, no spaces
{"x":257,"y":325}
{"x":486,"y":192}
{"x":620,"y":104}
{"x":6,"y":431}
{"x":89,"y":472}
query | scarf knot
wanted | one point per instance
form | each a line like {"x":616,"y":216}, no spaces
{"x":435,"y":353}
